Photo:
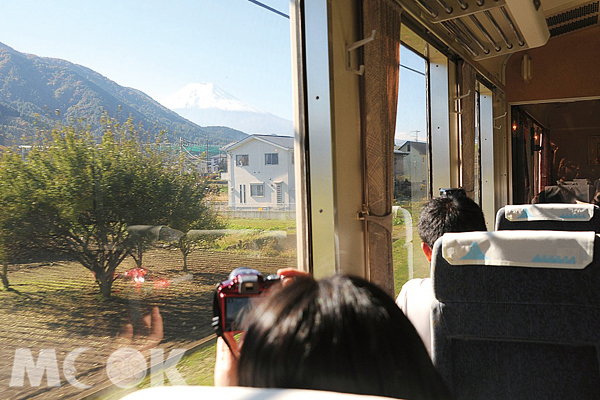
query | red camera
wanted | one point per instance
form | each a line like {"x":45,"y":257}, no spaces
{"x":232,"y":297}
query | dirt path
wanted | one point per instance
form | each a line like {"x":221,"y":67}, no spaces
{"x":56,"y":306}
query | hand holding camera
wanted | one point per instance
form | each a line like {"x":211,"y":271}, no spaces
{"x":233,"y":297}
{"x":232,"y":300}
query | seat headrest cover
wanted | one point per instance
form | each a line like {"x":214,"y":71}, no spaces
{"x":240,"y":393}
{"x":549,"y":212}
{"x":541,"y":249}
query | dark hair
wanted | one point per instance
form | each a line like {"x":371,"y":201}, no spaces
{"x":449,"y":214}
{"x":340,"y":334}
{"x":556,"y":194}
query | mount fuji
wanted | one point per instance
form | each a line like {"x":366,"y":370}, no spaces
{"x":208,"y":105}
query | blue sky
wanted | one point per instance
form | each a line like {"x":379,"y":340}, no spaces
{"x":159,"y":46}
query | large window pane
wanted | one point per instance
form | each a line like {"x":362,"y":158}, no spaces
{"x":410,"y":166}
{"x":146,"y":151}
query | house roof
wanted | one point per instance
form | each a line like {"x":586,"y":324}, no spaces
{"x":285,"y":142}
{"x":421,"y":147}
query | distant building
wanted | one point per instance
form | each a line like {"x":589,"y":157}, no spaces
{"x":261,"y":172}
{"x":410,"y":170}
{"x":214,"y":164}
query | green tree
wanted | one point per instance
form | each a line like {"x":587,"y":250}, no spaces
{"x":15,"y":218}
{"x":84,"y":193}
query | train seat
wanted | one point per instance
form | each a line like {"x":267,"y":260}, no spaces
{"x":240,"y":393}
{"x":517,"y":314}
{"x":558,"y":217}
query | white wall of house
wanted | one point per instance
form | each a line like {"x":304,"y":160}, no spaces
{"x":256,"y":184}
{"x":410,"y":162}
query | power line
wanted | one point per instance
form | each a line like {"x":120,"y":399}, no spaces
{"x":258,"y":3}
{"x":412,"y":69}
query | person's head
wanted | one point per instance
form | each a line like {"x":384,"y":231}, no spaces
{"x":340,"y":334}
{"x":448,"y":214}
{"x":553,"y":194}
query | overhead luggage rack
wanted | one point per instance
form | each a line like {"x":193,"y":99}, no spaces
{"x":487,"y":28}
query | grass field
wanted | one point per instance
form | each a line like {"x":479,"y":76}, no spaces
{"x":55,"y":305}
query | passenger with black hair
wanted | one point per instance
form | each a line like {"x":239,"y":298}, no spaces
{"x":340,"y":334}
{"x":440,"y":215}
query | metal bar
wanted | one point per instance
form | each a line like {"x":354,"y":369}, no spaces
{"x":433,"y":13}
{"x":441,"y":129}
{"x":445,"y":6}
{"x":319,"y":125}
{"x":455,"y":31}
{"x":470,"y":34}
{"x":485,"y":32}
{"x":498,"y":29}
{"x":513,"y":27}
{"x":303,"y":227}
{"x":462,"y":4}
{"x":459,"y":32}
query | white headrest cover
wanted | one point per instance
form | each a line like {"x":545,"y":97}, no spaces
{"x":549,"y":212}
{"x":542,"y":249}
{"x":240,"y":393}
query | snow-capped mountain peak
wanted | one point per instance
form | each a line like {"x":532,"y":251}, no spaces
{"x":205,"y":96}
{"x":208,"y":105}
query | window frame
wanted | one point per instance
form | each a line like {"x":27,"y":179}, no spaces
{"x":239,"y":158}
{"x":271,"y":156}
{"x":257,"y":185}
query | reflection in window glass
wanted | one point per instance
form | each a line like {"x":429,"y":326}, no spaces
{"x":123,"y":132}
{"x":410,"y":167}
{"x":241,"y":160}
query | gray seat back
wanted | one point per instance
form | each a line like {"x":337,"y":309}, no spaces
{"x":507,"y":331}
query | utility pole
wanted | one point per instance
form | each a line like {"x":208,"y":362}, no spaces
{"x":206,"y":158}
{"x":416,"y":135}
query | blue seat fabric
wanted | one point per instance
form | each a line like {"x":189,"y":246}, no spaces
{"x":515,"y":332}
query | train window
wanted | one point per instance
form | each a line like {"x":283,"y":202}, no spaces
{"x":410,"y":165}
{"x":130,"y":135}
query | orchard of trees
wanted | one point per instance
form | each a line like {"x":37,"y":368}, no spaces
{"x":77,"y":194}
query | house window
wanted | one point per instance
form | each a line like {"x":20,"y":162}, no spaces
{"x":242,"y":194}
{"x":271,"y":159}
{"x":257,"y":189}
{"x":241,"y":160}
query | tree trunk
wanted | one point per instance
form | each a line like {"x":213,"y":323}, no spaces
{"x":138,"y":260}
{"x":105,"y":281}
{"x":185,"y":247}
{"x":4,"y":276}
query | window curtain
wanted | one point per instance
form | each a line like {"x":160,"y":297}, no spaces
{"x":466,"y":81}
{"x":378,"y":124}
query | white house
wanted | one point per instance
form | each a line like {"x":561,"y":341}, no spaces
{"x":261,"y":172}
{"x":410,"y":170}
